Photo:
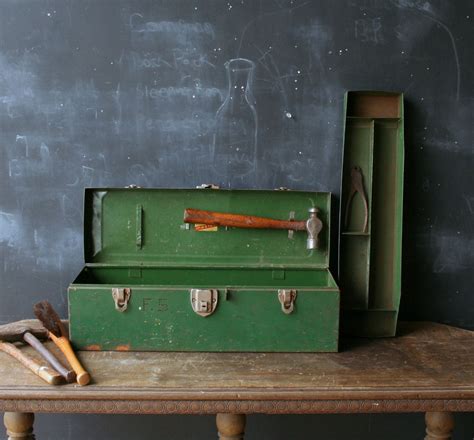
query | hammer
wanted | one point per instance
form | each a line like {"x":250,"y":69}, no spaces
{"x":29,"y":331}
{"x":312,"y":226}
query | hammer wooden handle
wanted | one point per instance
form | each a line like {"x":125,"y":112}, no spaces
{"x":82,"y":376}
{"x":70,"y":376}
{"x":240,"y":221}
{"x":48,"y":375}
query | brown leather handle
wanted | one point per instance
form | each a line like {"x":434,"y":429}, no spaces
{"x":46,"y":373}
{"x":69,"y":375}
{"x":83,"y":377}
{"x":239,"y":221}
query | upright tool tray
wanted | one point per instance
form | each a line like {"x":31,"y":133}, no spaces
{"x":371,"y":213}
{"x":151,"y":282}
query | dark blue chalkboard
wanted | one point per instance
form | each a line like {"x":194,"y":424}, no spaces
{"x":120,"y":92}
{"x":115,"y":93}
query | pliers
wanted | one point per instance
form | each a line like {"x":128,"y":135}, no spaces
{"x":357,"y":186}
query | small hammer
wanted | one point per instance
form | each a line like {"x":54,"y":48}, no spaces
{"x":29,"y":331}
{"x":312,"y":226}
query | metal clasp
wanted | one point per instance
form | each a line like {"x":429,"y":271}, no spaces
{"x":204,"y":301}
{"x":287,"y":299}
{"x":121,"y":298}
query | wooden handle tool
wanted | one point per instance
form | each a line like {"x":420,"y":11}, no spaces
{"x":46,"y":373}
{"x":82,"y":376}
{"x":240,"y":221}
{"x":45,"y":312}
{"x":30,"y":331}
{"x":312,"y":225}
{"x":69,"y":375}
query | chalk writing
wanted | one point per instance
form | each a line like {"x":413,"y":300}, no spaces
{"x":174,"y":27}
{"x":177,"y":59}
{"x":199,"y":126}
{"x":145,"y":91}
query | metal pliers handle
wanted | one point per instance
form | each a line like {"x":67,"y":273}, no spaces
{"x":357,"y":186}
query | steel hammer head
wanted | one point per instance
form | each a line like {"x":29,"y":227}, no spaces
{"x":313,"y":227}
{"x":14,"y":331}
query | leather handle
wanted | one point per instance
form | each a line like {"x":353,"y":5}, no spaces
{"x":48,"y":375}
{"x":240,"y":221}
{"x":82,"y":376}
{"x":69,"y":375}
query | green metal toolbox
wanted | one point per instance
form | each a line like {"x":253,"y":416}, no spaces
{"x":371,"y":213}
{"x":152,"y":282}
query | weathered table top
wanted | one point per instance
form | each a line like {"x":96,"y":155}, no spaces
{"x":428,"y":367}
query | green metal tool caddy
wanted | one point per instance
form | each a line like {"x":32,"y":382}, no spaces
{"x":152,"y":282}
{"x":371,"y":213}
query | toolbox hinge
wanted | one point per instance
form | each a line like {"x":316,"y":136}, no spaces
{"x":204,"y":301}
{"x":287,"y":299}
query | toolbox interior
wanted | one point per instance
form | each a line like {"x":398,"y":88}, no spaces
{"x":367,"y":267}
{"x":203,"y":277}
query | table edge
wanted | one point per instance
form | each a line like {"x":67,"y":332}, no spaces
{"x":235,"y":406}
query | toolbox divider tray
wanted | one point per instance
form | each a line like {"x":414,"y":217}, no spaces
{"x":370,"y":258}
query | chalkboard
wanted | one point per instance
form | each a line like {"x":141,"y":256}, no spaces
{"x":243,"y":94}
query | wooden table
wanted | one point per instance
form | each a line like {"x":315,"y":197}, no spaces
{"x":427,"y":368}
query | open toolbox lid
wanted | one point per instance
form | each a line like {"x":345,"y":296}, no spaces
{"x":144,"y":227}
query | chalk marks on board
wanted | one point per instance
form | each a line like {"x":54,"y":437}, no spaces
{"x":168,"y":69}
{"x":175,"y":59}
{"x":29,"y":160}
{"x":171,"y":27}
{"x":267,"y":61}
{"x":425,"y":9}
{"x":454,"y":253}
{"x":10,"y":231}
{"x":234,"y":142}
{"x":175,"y":33}
{"x":469,"y":203}
{"x":173,"y":92}
{"x":369,"y":30}
{"x":450,"y":251}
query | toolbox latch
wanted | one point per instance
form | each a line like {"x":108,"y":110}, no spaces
{"x":204,"y":301}
{"x":287,"y":299}
{"x":121,"y":298}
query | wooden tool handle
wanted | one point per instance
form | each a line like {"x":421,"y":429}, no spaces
{"x":70,"y":376}
{"x":48,"y":375}
{"x":82,"y":376}
{"x":239,"y":221}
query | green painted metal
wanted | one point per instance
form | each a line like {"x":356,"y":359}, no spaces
{"x":145,"y":227}
{"x":136,"y":238}
{"x":370,"y":261}
{"x":246,"y":319}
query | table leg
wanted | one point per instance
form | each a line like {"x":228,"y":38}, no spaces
{"x":230,"y":426}
{"x":19,"y":425}
{"x":439,"y":425}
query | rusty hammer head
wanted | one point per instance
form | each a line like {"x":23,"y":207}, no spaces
{"x":313,"y":227}
{"x":14,"y":332}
